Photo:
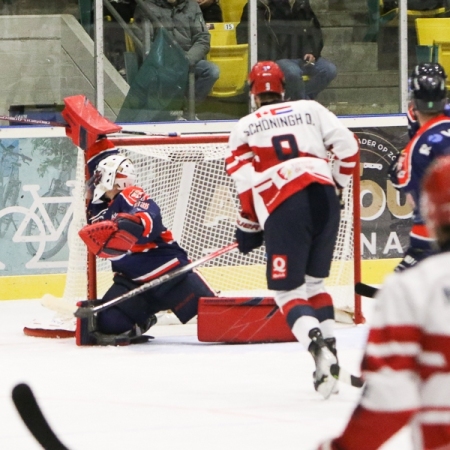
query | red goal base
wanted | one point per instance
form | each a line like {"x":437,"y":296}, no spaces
{"x":52,"y":334}
{"x":241,"y":320}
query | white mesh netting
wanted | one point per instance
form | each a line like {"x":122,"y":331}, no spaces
{"x":199,"y":204}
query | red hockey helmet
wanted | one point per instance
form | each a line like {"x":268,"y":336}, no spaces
{"x":435,"y":199}
{"x":266,"y":76}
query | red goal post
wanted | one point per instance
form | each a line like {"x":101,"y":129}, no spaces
{"x":186,"y":176}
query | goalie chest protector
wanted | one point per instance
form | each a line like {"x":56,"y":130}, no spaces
{"x":241,"y":320}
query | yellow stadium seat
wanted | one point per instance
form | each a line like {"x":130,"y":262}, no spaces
{"x":232,"y":10}
{"x":433,"y":35}
{"x":380,"y":16}
{"x":232,"y":61}
{"x":443,"y":57}
{"x":222,"y":33}
{"x":231,"y":58}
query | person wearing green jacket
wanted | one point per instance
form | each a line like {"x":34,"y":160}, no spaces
{"x":184,"y":22}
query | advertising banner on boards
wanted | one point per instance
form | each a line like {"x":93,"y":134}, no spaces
{"x":36,"y":200}
{"x":385,"y":215}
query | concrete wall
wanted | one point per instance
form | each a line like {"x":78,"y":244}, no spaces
{"x":45,"y":58}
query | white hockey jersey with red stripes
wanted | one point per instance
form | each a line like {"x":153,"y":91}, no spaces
{"x":281,"y":148}
{"x":407,"y":362}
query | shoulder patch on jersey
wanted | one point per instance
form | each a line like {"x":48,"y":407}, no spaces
{"x":435,"y":138}
{"x":132,"y":194}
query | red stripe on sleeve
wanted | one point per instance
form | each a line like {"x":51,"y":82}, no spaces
{"x":402,"y":333}
{"x":368,"y":430}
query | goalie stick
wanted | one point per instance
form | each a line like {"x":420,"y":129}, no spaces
{"x":32,"y":416}
{"x":84,"y":312}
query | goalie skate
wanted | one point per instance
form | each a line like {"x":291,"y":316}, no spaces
{"x":324,"y":381}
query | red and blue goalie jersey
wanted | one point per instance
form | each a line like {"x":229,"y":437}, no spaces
{"x":156,"y":252}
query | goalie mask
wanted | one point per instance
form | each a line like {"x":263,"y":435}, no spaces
{"x":266,"y":76}
{"x":113,"y":171}
{"x":427,"y":87}
{"x":435,"y":198}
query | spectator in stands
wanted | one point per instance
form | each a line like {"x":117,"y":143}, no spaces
{"x":184,"y":21}
{"x":211,"y":10}
{"x":413,"y":5}
{"x":125,"y":8}
{"x":290,"y":34}
{"x":114,"y":34}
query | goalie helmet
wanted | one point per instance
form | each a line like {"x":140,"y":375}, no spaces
{"x":266,"y":76}
{"x":427,"y":87}
{"x":435,"y":198}
{"x":114,"y":170}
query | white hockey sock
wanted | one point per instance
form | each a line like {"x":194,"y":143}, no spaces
{"x":301,"y":329}
{"x":327,"y":328}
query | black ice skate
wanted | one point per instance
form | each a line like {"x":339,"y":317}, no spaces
{"x":324,"y":382}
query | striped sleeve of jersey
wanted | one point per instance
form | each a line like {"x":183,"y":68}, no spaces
{"x":407,"y":361}
{"x":342,"y":143}
{"x":239,"y":165}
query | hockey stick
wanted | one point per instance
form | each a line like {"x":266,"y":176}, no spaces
{"x":366,"y":290}
{"x":84,"y":312}
{"x":31,"y":414}
{"x":22,"y":119}
{"x":25,"y":120}
{"x":341,"y":374}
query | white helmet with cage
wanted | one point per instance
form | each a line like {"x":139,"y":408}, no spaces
{"x":113,"y":171}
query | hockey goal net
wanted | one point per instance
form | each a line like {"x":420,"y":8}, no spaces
{"x":186,"y":177}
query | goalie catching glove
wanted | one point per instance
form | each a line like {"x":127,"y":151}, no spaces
{"x":112,"y":238}
{"x":249,"y":235}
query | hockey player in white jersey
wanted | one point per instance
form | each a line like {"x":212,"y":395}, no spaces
{"x":407,"y":359}
{"x":289,"y":199}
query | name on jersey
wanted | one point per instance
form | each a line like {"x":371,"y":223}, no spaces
{"x":142,"y":205}
{"x":281,"y":116}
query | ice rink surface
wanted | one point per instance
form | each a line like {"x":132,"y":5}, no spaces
{"x":174,"y":393}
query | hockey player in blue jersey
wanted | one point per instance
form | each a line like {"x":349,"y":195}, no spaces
{"x":126,"y":227}
{"x":429,"y":129}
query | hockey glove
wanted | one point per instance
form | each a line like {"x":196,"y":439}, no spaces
{"x":412,"y":257}
{"x":248,"y":235}
{"x":112,"y":238}
{"x":395,"y":168}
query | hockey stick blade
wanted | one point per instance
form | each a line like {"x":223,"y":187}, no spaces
{"x":365,"y":290}
{"x":342,"y":375}
{"x":84,"y":312}
{"x":22,"y":119}
{"x":31,"y":414}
